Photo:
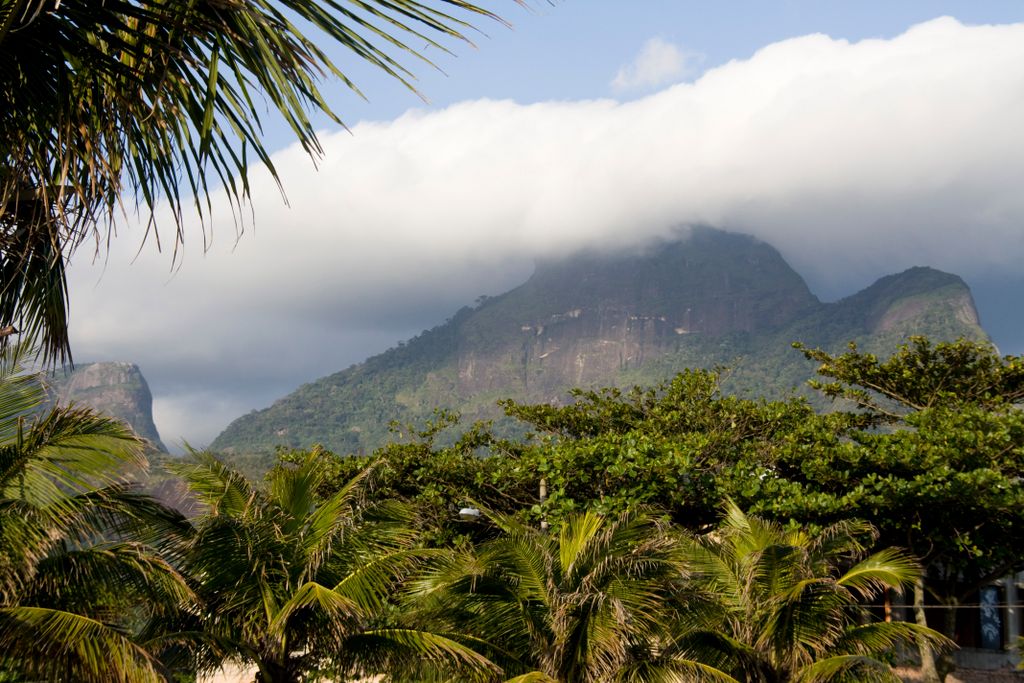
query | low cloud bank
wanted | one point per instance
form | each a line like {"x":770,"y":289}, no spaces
{"x":855,"y":160}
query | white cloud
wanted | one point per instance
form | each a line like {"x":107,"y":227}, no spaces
{"x":855,"y":160}
{"x":658,"y":63}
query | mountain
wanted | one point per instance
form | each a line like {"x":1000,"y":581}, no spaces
{"x":602,"y":319}
{"x":115,"y":389}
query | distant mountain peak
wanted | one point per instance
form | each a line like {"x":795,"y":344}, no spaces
{"x":605,"y":318}
{"x":896,"y":301}
{"x":116,"y":389}
{"x":709,"y":281}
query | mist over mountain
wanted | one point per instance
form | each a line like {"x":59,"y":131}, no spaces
{"x":600,"y":318}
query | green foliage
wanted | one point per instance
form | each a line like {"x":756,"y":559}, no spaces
{"x":333,"y":566}
{"x":785,"y":605}
{"x":571,"y":606}
{"x":80,"y":575}
{"x":945,"y":483}
{"x":151,"y":101}
{"x":921,"y":375}
{"x":944,"y":477}
{"x":609,"y":451}
{"x":474,"y":469}
{"x":295,"y":584}
{"x":671,"y":446}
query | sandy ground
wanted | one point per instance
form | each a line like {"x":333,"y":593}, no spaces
{"x":910,"y":675}
{"x":238,"y":674}
{"x":231,"y":673}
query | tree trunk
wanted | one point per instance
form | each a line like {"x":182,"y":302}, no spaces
{"x":275,"y":672}
{"x":929,"y":671}
{"x":946,"y":663}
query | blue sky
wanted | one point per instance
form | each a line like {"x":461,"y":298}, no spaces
{"x":572,"y":49}
{"x":858,"y":138}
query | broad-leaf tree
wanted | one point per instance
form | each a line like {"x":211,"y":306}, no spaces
{"x":436,"y":475}
{"x":668,"y":446}
{"x":943,"y":478}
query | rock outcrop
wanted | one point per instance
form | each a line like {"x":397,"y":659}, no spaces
{"x":115,"y":389}
{"x":599,"y":319}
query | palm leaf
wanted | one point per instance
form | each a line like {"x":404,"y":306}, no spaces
{"x":532,"y":677}
{"x":221,"y":488}
{"x":783,"y":605}
{"x":21,"y":393}
{"x":578,"y":606}
{"x":716,"y":649}
{"x":575,"y":537}
{"x":371,"y":584}
{"x":807,"y":618}
{"x":68,"y":449}
{"x":526,"y":563}
{"x":141,"y":102}
{"x":68,"y":645}
{"x":884,"y":637}
{"x":387,"y":648}
{"x":337,"y":607}
{"x":676,"y":669}
{"x":854,"y":668}
{"x":81,"y":578}
{"x":324,"y":520}
{"x":886,"y":569}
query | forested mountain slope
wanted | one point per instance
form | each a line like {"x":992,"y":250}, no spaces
{"x":598,"y":319}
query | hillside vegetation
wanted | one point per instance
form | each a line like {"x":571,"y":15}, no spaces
{"x":598,"y":319}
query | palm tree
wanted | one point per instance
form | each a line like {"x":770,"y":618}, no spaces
{"x":583,"y":604}
{"x":296,"y":586}
{"x":777,"y":605}
{"x":76,"y":572}
{"x":111,"y":104}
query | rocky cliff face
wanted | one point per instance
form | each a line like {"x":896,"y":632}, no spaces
{"x":714,"y":299}
{"x":115,"y":389}
{"x":581,"y":321}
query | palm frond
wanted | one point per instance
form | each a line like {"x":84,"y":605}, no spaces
{"x":880,"y":637}
{"x":337,"y":607}
{"x":21,"y":393}
{"x":851,"y":668}
{"x":221,"y":488}
{"x":72,"y":647}
{"x":387,"y":648}
{"x":82,"y":578}
{"x":575,"y":537}
{"x":323,"y":521}
{"x":67,"y":450}
{"x":131,"y":102}
{"x":807,"y":618}
{"x":713,"y":647}
{"x":887,"y":569}
{"x":532,"y":677}
{"x":578,"y":606}
{"x":771,"y":601}
{"x":371,"y":584}
{"x":676,"y":669}
{"x":526,"y":562}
